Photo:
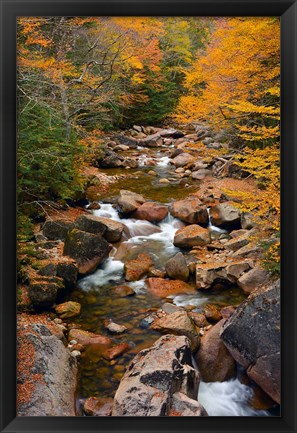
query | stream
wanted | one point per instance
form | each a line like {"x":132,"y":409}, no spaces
{"x":100,"y":377}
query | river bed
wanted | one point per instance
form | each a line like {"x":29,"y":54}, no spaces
{"x":99,"y":377}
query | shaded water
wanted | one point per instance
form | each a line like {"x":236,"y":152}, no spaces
{"x":99,"y":377}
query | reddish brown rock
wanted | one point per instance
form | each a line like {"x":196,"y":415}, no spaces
{"x":198,"y":318}
{"x":136,"y":269}
{"x":191,"y":236}
{"x":116,"y":351}
{"x":85,"y":337}
{"x":153,"y":212}
{"x":162,"y":288}
{"x":122,"y":291}
{"x":214,"y":361}
{"x":178,"y":323}
{"x":212,"y":313}
{"x":94,"y":406}
{"x":190,"y":210}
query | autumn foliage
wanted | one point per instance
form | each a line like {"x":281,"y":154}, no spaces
{"x":81,"y":76}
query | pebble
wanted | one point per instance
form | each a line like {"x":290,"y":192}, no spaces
{"x":72,"y":342}
{"x":76,"y":353}
{"x":57,"y":320}
{"x":115,"y":328}
{"x":152,"y":173}
{"x":164,"y":180}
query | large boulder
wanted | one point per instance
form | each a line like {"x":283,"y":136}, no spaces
{"x":184,"y":159}
{"x":43,"y":291}
{"x":178,"y":323}
{"x":210,"y":274}
{"x":213,"y":359}
{"x":89,"y":250}
{"x":177,"y":269}
{"x":162,"y":288}
{"x":129,"y":201}
{"x":112,"y":160}
{"x":238,"y":242}
{"x":201,"y":174}
{"x":252,"y":279}
{"x":225,"y":215}
{"x":152,"y":140}
{"x":137,"y":268}
{"x":56,"y":230}
{"x":127,"y":141}
{"x":90,"y":224}
{"x":252,"y":336}
{"x":154,"y":375}
{"x":111,"y":230}
{"x":46,"y":373}
{"x":150,"y":211}
{"x":69,"y":273}
{"x":190,"y":210}
{"x":191,"y":236}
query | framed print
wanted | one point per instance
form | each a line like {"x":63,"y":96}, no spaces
{"x":148,"y":207}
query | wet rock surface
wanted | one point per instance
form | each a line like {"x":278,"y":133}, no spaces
{"x":89,"y":250}
{"x":252,"y":336}
{"x":153,"y":376}
{"x":213,"y":358}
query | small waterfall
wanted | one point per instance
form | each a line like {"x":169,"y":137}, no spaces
{"x":164,"y":161}
{"x":212,"y":227}
{"x":230,"y":398}
{"x":111,"y":272}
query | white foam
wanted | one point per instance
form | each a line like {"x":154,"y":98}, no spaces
{"x":228,"y":398}
{"x":111,"y":271}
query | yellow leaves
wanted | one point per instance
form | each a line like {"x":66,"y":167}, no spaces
{"x":236,"y":78}
{"x":247,"y":107}
{"x":135,"y":62}
{"x":264,"y":165}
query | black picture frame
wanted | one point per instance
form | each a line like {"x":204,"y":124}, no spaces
{"x":287,"y":10}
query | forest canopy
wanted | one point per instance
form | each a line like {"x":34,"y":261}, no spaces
{"x":79,"y":77}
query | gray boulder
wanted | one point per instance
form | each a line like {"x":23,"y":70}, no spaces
{"x":127,"y":141}
{"x":252,"y":279}
{"x":129,"y":201}
{"x":154,"y":375}
{"x":201,"y":174}
{"x":111,"y":230}
{"x":56,"y":230}
{"x":184,"y":159}
{"x":177,"y":269}
{"x":51,"y":374}
{"x":43,"y":291}
{"x":252,"y":336}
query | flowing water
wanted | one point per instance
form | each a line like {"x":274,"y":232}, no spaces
{"x":99,"y":377}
